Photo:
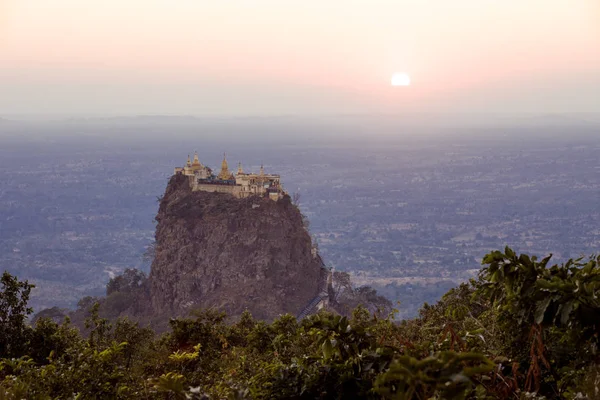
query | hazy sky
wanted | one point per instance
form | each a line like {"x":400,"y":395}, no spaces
{"x":253,"y":57}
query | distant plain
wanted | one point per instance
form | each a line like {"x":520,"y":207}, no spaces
{"x":407,"y":208}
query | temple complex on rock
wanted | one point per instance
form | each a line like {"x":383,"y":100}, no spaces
{"x":241,"y":184}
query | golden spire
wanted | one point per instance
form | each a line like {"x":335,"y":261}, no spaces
{"x":224,"y":174}
{"x":224,"y":163}
{"x":240,"y":170}
{"x":196,"y":161}
{"x":189,"y":163}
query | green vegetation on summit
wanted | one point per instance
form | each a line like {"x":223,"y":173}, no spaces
{"x":523,"y":329}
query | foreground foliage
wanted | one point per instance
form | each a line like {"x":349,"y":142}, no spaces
{"x":521,"y":330}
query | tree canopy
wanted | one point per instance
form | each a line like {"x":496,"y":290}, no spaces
{"x":522,"y":329}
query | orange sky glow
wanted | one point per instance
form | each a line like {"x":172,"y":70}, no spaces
{"x":272,"y":57}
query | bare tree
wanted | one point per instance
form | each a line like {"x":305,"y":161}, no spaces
{"x":296,"y":199}
{"x":341,"y":281}
{"x":305,"y":221}
{"x":149,"y":253}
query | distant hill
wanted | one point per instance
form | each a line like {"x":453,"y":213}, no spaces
{"x":138,"y":119}
{"x":561,"y":119}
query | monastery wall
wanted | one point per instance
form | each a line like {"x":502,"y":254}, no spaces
{"x":234,"y":190}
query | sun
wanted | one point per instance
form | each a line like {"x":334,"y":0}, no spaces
{"x":400,"y":79}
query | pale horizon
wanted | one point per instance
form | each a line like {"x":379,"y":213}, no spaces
{"x":132,"y":57}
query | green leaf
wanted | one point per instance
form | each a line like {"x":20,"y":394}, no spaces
{"x":495,"y":277}
{"x":544,"y":284}
{"x":540,"y":309}
{"x":509,"y":252}
{"x":525,"y":260}
{"x":565,"y":312}
{"x":327,"y":349}
{"x":545,"y":261}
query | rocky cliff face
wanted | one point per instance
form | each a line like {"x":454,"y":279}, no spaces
{"x":214,"y":250}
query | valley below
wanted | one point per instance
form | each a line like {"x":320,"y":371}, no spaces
{"x":410,"y":215}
